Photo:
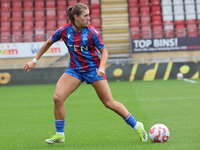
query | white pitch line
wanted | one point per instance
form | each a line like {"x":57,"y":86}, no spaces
{"x":95,"y":101}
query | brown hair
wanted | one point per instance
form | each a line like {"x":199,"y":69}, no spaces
{"x":77,"y":9}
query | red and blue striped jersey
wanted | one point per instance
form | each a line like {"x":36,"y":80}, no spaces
{"x":82,"y":46}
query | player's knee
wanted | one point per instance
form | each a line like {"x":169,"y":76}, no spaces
{"x":109,"y":104}
{"x":56,"y":98}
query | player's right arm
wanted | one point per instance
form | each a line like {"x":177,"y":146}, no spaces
{"x":31,"y":64}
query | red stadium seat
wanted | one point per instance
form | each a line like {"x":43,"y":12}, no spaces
{"x":157,"y":31}
{"x":133,"y":11}
{"x":72,"y":2}
{"x":61,"y":4}
{"x":28,"y":5}
{"x":50,"y":14}
{"x":191,"y":30}
{"x":16,"y":25}
{"x":180,"y":30}
{"x":49,"y":33}
{"x":169,"y":30}
{"x":145,"y":11}
{"x":16,"y":36}
{"x":39,"y":5}
{"x":39,"y":24}
{"x":61,"y":14}
{"x":61,"y":22}
{"x":94,"y":4}
{"x":5,"y":6}
{"x":146,"y":32}
{"x":157,"y":20}
{"x":16,"y":15}
{"x":28,"y":15}
{"x":135,"y":32}
{"x":156,"y":10}
{"x":39,"y":15}
{"x":95,"y":12}
{"x":5,"y":37}
{"x":50,"y":4}
{"x":28,"y":25}
{"x":28,"y":36}
{"x":144,"y":2}
{"x":39,"y":35}
{"x":51,"y":24}
{"x":86,"y":2}
{"x":132,"y":3}
{"x":96,"y":22}
{"x":5,"y":25}
{"x":145,"y":20}
{"x":16,"y":5}
{"x":5,"y":16}
{"x":134,"y":21}
{"x":155,"y":2}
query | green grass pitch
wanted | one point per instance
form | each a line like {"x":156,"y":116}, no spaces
{"x":26,"y":116}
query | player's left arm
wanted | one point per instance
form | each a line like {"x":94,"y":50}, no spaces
{"x":104,"y":57}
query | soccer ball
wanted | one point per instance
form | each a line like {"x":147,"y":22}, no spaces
{"x":179,"y":75}
{"x":159,"y":133}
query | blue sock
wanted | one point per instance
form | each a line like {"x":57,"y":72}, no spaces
{"x":59,"y":124}
{"x":130,"y":120}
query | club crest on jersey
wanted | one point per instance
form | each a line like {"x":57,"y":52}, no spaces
{"x":68,"y":35}
{"x":85,"y":37}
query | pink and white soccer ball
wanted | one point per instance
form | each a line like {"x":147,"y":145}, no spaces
{"x":179,"y":75}
{"x":159,"y":133}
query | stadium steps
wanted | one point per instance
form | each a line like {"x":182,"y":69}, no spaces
{"x":115,"y":27}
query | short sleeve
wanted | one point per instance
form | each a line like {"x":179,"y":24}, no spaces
{"x":98,"y":42}
{"x":56,"y":35}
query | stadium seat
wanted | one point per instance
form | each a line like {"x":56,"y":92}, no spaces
{"x":39,"y":24}
{"x":167,"y":10}
{"x":144,"y":2}
{"x":197,"y":1}
{"x":49,"y":33}
{"x":155,"y":3}
{"x":72,"y":2}
{"x":61,"y":4}
{"x":28,"y":15}
{"x":16,"y":15}
{"x":191,"y":30}
{"x":16,"y":36}
{"x":5,"y":6}
{"x":39,"y":5}
{"x":28,"y":5}
{"x":180,"y":30}
{"x":5,"y":25}
{"x":190,"y":18}
{"x":168,"y":19}
{"x":5,"y":16}
{"x":145,"y":20}
{"x":39,"y":35}
{"x":157,"y":32}
{"x":94,"y":4}
{"x":28,"y":25}
{"x":86,"y":2}
{"x":95,"y":12}
{"x":190,"y":9}
{"x":132,"y":3}
{"x":166,"y":2}
{"x":5,"y":36}
{"x":133,"y":11}
{"x":178,"y":2}
{"x":96,"y":22}
{"x":178,"y":9}
{"x":16,"y":25}
{"x":134,"y":21}
{"x":16,"y":5}
{"x":146,"y":32}
{"x":50,"y":4}
{"x":189,"y":2}
{"x":169,"y":30}
{"x":135,"y":32}
{"x":198,"y":8}
{"x":156,"y":10}
{"x":61,"y":22}
{"x":61,"y":14}
{"x":50,"y":14}
{"x":39,"y":15}
{"x":51,"y":24}
{"x":145,"y":11}
{"x":179,"y":19}
{"x":28,"y":36}
{"x":157,"y":20}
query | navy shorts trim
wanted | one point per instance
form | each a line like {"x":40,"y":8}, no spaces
{"x":87,"y":76}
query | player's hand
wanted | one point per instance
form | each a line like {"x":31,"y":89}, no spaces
{"x":100,"y":73}
{"x":29,"y":66}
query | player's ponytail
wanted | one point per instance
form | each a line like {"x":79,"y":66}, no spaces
{"x":75,"y":10}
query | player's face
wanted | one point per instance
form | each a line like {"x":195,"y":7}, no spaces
{"x":84,"y":18}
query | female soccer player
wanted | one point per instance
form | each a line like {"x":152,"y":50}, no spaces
{"x":82,"y":41}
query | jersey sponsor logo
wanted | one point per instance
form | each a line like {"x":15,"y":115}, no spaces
{"x":77,"y":47}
